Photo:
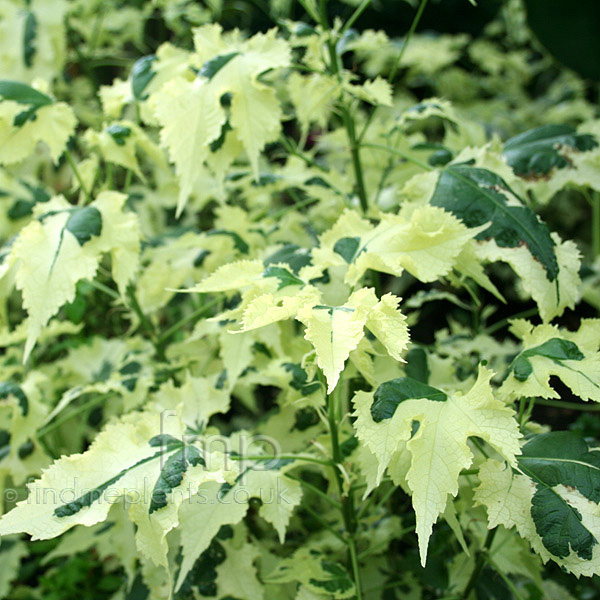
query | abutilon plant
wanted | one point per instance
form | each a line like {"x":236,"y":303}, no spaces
{"x":276,"y":325}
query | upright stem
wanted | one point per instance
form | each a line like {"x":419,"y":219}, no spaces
{"x":347,"y":499}
{"x":356,"y":160}
{"x":409,"y":35}
{"x":596,"y":224}
{"x":145,"y":322}
{"x":482,"y":556}
{"x":77,"y":174}
{"x":350,"y":126}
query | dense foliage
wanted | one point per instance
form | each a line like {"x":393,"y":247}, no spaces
{"x":298,"y":313}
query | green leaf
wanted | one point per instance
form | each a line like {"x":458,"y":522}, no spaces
{"x":336,"y":581}
{"x":428,"y":460}
{"x":417,"y":366}
{"x":347,"y":247}
{"x":316,"y":573}
{"x":285,"y":277}
{"x":8,"y":388}
{"x":300,"y":379}
{"x":478,"y":196}
{"x":50,"y":262}
{"x":42,"y":121}
{"x":23,"y":94}
{"x":292,"y":255}
{"x":29,"y":34}
{"x":238,"y":241}
{"x":553,"y":503}
{"x":559,"y":525}
{"x":550,"y":351}
{"x":87,"y":499}
{"x":84,"y":223}
{"x":537,"y":151}
{"x":389,"y":394}
{"x":119,"y":133}
{"x":172,"y":473}
{"x":555,"y":349}
{"x":563,"y":457}
{"x":211,"y":67}
{"x":141,"y":75}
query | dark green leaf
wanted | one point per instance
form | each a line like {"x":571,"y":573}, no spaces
{"x":131,"y":368}
{"x":490,"y":586}
{"x":292,"y":255}
{"x":163,"y":439}
{"x":119,"y":133}
{"x":203,"y":575}
{"x":141,"y":75}
{"x":25,"y":449}
{"x":87,"y":499}
{"x":338,"y":580}
{"x":23,"y":207}
{"x":559,"y":525}
{"x":416,"y":365}
{"x":347,"y":247}
{"x":300,"y":379}
{"x":29,"y":34}
{"x":389,"y":394}
{"x":8,"y":388}
{"x":238,"y":242}
{"x":217,"y":144}
{"x":537,"y":151}
{"x":305,"y":418}
{"x":23,"y":94}
{"x":172,"y":473}
{"x":556,"y":349}
{"x":214,"y":65}
{"x":561,"y":458}
{"x":285,"y":277}
{"x":83,"y":223}
{"x":478,"y":196}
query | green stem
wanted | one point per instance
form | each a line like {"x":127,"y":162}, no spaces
{"x":479,"y":447}
{"x":323,"y":522}
{"x":308,"y":8}
{"x":104,"y":288}
{"x":347,"y":500}
{"x":359,"y":11}
{"x":401,"y":154}
{"x":377,"y":504}
{"x":311,"y":459}
{"x":49,"y":427}
{"x":530,"y":312}
{"x":595,"y":199}
{"x":96,"y":32}
{"x":192,"y":317}
{"x":348,"y":120}
{"x":407,"y":39}
{"x":350,"y":126}
{"x":467,"y":472}
{"x":77,"y":174}
{"x":297,"y":205}
{"x":567,"y":405}
{"x":479,"y":563}
{"x":316,"y":490}
{"x":397,"y":63}
{"x":145,"y":322}
{"x":128,"y":178}
{"x":289,"y":146}
{"x":506,"y":580}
